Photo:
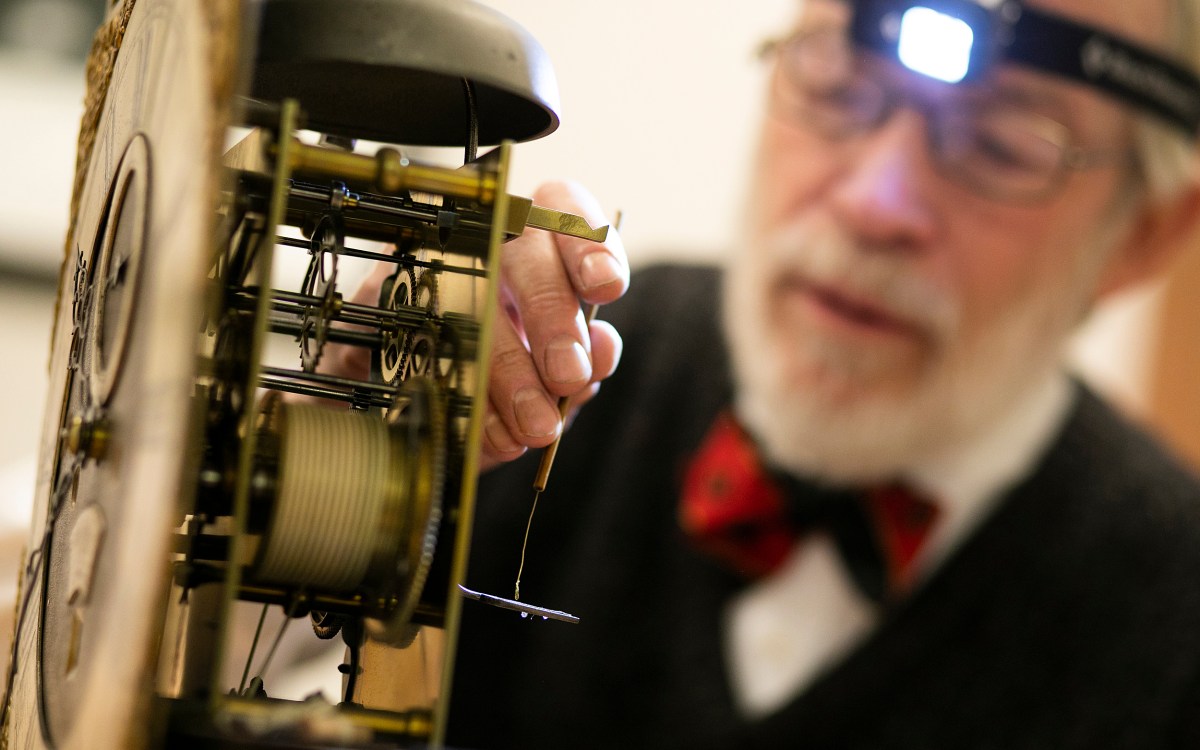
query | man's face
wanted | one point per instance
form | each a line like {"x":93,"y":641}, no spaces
{"x":883,"y":310}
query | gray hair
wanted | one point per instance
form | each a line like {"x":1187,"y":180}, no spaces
{"x":1169,"y":160}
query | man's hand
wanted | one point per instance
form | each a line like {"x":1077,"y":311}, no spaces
{"x":542,"y":347}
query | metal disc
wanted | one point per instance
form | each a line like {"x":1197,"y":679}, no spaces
{"x":391,"y":70}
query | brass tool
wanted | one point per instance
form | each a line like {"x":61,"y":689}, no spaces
{"x":543,"y":472}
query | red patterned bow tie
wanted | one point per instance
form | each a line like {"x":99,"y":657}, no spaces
{"x":735,"y":509}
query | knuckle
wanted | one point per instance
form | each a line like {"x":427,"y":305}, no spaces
{"x":546,"y":303}
{"x":511,"y":361}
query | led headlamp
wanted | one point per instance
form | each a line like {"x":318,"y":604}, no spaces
{"x":957,"y":40}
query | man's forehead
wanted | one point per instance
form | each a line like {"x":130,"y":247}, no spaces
{"x":823,"y":13}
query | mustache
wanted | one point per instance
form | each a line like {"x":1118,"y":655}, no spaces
{"x":824,"y":255}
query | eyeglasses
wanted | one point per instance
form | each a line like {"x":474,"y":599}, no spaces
{"x":1002,"y":149}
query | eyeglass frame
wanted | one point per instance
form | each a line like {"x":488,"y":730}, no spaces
{"x":1071,"y":157}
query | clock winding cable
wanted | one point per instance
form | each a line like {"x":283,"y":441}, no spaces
{"x":335,"y":481}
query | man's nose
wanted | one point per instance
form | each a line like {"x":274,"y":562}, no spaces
{"x":882,"y":194}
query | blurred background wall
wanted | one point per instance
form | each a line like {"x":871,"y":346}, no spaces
{"x":659,"y":105}
{"x":43,"y":44}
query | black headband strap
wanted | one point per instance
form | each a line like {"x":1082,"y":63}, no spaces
{"x":1116,"y":66}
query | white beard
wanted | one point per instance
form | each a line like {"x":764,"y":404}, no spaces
{"x":841,"y":430}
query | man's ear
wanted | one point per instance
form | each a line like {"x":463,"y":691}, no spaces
{"x":1162,"y":231}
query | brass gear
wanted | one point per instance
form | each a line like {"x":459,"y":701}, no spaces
{"x":329,"y":238}
{"x":419,"y":412}
{"x":397,"y":290}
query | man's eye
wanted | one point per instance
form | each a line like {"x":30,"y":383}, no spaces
{"x":846,"y":99}
{"x":1000,"y":152}
{"x":833,"y":96}
{"x":1016,"y":145}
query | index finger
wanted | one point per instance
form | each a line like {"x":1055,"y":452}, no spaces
{"x":599,"y":272}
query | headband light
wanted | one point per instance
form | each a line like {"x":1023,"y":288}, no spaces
{"x":958,"y":40}
{"x":935,"y":44}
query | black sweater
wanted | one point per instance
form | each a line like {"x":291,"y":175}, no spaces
{"x":1070,"y":619}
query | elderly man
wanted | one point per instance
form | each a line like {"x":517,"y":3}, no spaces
{"x":848,"y":497}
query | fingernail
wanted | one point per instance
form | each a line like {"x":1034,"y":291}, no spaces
{"x":567,"y":361}
{"x":599,"y":269}
{"x":536,"y":416}
{"x":497,"y":434}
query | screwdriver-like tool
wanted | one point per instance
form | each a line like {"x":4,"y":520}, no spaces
{"x":543,"y":472}
{"x":548,"y":453}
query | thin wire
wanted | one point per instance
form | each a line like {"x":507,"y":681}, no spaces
{"x":287,"y":620}
{"x":253,"y":647}
{"x":472,"y":145}
{"x":524,"y":544}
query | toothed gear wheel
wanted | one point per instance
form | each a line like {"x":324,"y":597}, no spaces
{"x":420,"y":411}
{"x":326,"y":625}
{"x":423,"y":347}
{"x":328,"y":240}
{"x":397,"y":290}
{"x":425,"y":292}
{"x":422,"y":353}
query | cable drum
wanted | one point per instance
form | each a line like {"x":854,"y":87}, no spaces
{"x":336,"y":501}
